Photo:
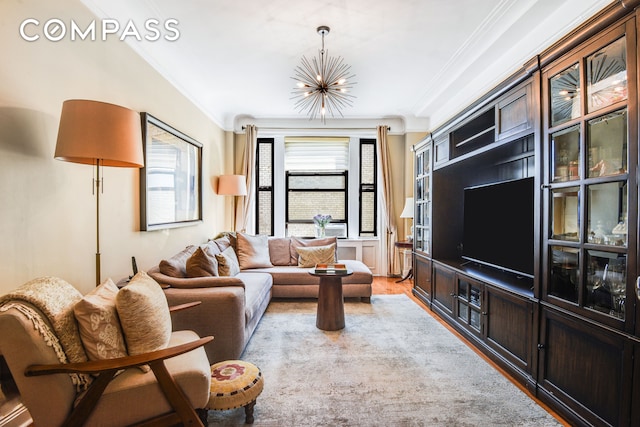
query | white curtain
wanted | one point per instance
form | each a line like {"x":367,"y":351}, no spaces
{"x":387,"y":199}
{"x":248,"y":170}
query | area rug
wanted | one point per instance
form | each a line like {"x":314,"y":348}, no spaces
{"x":392,"y":365}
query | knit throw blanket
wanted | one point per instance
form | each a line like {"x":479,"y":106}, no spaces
{"x":55,"y":298}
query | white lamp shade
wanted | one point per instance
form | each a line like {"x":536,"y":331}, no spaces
{"x":407,"y":212}
{"x":232,"y":185}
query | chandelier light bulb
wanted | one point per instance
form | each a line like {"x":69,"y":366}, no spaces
{"x":322,"y":84}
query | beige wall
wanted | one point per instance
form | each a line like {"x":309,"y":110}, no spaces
{"x":47,"y":210}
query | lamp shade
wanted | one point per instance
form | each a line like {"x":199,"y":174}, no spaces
{"x":232,"y":185}
{"x":91,"y":130}
{"x":407,"y":212}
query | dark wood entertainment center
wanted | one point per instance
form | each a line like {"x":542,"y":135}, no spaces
{"x":569,"y":120}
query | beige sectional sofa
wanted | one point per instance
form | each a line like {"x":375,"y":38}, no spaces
{"x":235,"y":277}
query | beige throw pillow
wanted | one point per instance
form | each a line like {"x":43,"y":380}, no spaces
{"x":176,"y":266}
{"x":144,"y":315}
{"x":253,"y":251}
{"x":202,"y":263}
{"x":228,"y":263}
{"x":312,"y":255}
{"x":99,"y":324}
{"x":297,"y":243}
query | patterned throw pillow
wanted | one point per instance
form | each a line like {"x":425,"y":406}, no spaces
{"x":99,"y":324}
{"x":202,"y":263}
{"x":253,"y":251}
{"x":228,"y":262}
{"x":312,"y":255}
{"x":297,"y":243}
{"x":144,"y":315}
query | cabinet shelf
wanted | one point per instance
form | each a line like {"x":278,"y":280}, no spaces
{"x":477,"y":135}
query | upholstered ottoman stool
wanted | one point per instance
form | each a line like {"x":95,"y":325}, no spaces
{"x":235,"y":383}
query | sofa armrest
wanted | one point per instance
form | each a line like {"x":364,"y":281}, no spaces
{"x":221,"y":314}
{"x":193,"y":282}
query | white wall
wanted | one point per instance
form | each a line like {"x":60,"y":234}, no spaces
{"x":47,"y":210}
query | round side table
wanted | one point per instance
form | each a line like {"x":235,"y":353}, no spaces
{"x":330,"y":316}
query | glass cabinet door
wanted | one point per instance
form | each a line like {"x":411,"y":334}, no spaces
{"x":587,"y":184}
{"x":422,"y":200}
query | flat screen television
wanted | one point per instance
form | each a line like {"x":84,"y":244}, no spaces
{"x":499,"y":225}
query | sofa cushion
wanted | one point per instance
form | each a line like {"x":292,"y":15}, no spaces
{"x":176,"y":266}
{"x":144,"y":315}
{"x":293,"y":275}
{"x":312,"y":255}
{"x":202,"y":263}
{"x":228,"y":262}
{"x":296,"y":243}
{"x":280,"y":250}
{"x":253,"y":251}
{"x":257,"y":288}
{"x":99,"y":323}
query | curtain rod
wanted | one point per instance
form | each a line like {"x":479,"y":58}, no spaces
{"x":314,"y":129}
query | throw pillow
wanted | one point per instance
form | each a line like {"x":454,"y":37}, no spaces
{"x":297,"y":243}
{"x":228,"y":262}
{"x":99,"y":324}
{"x":144,"y":315}
{"x":253,"y":251}
{"x":176,"y":266}
{"x":202,"y":263}
{"x":312,"y":255}
{"x":280,"y":250}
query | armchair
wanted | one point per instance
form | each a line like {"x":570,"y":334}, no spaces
{"x":119,"y":393}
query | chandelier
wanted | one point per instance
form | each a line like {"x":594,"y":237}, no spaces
{"x":322,"y":84}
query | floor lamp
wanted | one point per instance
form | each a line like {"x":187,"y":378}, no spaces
{"x":232,"y":185}
{"x":99,"y":134}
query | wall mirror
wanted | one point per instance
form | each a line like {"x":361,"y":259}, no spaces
{"x":171,"y":180}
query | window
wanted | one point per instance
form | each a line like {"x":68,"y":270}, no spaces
{"x":316,"y":183}
{"x":299,"y":177}
{"x":368,"y":188}
{"x":312,"y":193}
{"x":264,"y":186}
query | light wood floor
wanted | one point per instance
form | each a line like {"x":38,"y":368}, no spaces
{"x":389,"y":286}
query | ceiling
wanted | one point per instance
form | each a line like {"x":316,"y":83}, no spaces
{"x":417,"y":60}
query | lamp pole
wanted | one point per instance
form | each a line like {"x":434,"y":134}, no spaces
{"x":98,"y":181}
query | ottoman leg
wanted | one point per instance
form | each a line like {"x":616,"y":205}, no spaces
{"x":248,"y":412}
{"x":203,"y":414}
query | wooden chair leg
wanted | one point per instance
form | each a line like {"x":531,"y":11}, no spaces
{"x":248,"y":412}
{"x":174,"y":394}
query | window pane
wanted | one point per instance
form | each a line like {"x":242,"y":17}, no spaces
{"x":265,"y":168}
{"x":565,"y":222}
{"x":607,"y":144}
{"x":607,"y":75}
{"x":306,"y":182}
{"x":606,"y":282}
{"x":264,"y":212}
{"x":565,"y":149}
{"x":368,"y":162}
{"x":565,"y":95}
{"x":607,"y":214}
{"x":303,"y":205}
{"x":367,"y":222}
{"x":564,"y":272}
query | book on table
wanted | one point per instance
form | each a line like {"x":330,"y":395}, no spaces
{"x":331,"y":268}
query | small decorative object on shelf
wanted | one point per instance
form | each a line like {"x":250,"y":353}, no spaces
{"x":321,"y":222}
{"x":331,"y":268}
